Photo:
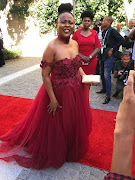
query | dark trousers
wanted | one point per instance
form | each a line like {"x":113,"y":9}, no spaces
{"x":106,"y":68}
{"x":98,"y":64}
{"x":2,"y":60}
{"x":119,"y":86}
{"x":97,"y":68}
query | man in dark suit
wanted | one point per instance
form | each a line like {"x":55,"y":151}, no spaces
{"x":111,"y":40}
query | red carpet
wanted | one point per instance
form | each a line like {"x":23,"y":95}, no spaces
{"x":12,"y":110}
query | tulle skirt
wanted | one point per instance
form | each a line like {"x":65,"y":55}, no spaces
{"x":44,"y":140}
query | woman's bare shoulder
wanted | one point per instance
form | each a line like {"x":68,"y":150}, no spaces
{"x":51,"y":46}
{"x":50,"y":50}
{"x":74,"y":42}
{"x":52,"y":43}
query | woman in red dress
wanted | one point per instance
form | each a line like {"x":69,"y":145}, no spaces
{"x":57,"y":127}
{"x":89,"y":44}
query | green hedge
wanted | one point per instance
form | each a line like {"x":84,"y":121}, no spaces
{"x":12,"y":54}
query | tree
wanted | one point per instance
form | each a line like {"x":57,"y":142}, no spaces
{"x":101,"y":8}
{"x":45,"y":14}
{"x":45,"y":11}
{"x":3,"y":4}
{"x":19,"y":7}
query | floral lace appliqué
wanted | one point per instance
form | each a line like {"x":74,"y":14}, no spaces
{"x":44,"y":64}
{"x":64,"y":72}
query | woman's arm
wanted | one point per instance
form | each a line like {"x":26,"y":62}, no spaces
{"x":85,"y":58}
{"x":49,"y":57}
{"x":94,"y":53}
{"x":81,"y":71}
{"x":88,"y":58}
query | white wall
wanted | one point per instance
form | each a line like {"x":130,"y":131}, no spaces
{"x":24,"y":35}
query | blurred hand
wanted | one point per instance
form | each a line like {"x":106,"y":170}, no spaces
{"x":110,"y":52}
{"x":52,"y":107}
{"x":120,"y":72}
{"x":125,"y":120}
{"x":92,"y":83}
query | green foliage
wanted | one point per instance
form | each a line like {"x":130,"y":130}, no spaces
{"x":10,"y":54}
{"x":21,"y":10}
{"x":45,"y":14}
{"x":3,"y":4}
{"x":45,"y":11}
{"x":100,"y":9}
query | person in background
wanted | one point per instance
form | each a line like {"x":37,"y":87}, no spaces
{"x":121,"y":168}
{"x":97,"y":28}
{"x":111,"y":40}
{"x":2,"y":60}
{"x":88,"y":42}
{"x":118,"y":27}
{"x":121,"y":71}
{"x":57,"y":127}
{"x":131,"y":26}
{"x":128,"y":44}
{"x":132,"y":37}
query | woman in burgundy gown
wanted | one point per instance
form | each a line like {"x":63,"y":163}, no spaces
{"x":89,"y":44}
{"x":58,"y":124}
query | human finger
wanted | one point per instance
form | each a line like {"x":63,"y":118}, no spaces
{"x":130,"y":83}
{"x":49,"y":107}
{"x":60,"y":106}
{"x":124,"y":92}
{"x":96,"y":83}
{"x":54,"y":111}
{"x":50,"y":111}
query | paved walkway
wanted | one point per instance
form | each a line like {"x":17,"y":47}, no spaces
{"x":22,"y":78}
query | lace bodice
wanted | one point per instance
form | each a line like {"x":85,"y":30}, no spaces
{"x":64,"y":72}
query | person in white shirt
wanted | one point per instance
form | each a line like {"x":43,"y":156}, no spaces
{"x":131,"y":26}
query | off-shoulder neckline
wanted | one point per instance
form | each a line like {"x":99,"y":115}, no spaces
{"x":68,"y":59}
{"x":63,"y":59}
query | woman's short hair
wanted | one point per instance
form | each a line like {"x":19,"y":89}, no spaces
{"x":65,"y":7}
{"x":87,"y":13}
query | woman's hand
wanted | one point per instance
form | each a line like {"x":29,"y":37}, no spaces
{"x":52,"y":107}
{"x":92,"y":83}
{"x":86,"y":59}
